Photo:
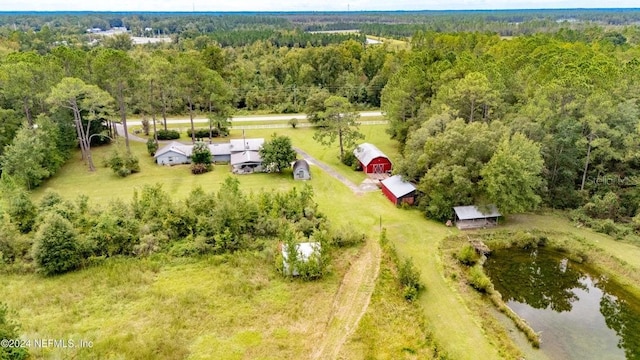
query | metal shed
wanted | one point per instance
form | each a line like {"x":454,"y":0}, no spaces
{"x":372,"y":160}
{"x":301,"y":170}
{"x":399,"y":191}
{"x":474,"y":217}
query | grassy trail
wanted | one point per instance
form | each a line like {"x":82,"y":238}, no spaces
{"x":350,"y":302}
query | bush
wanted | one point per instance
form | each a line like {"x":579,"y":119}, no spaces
{"x":346,"y":236}
{"x":350,"y":159}
{"x":478,"y":280}
{"x":168,"y":134}
{"x":56,"y":246}
{"x":410,"y":280}
{"x":123,"y":164}
{"x":152,"y":146}
{"x":22,"y":211}
{"x":149,"y":244}
{"x":468,"y":255}
{"x":204,"y":133}
{"x":293,"y":122}
{"x":9,"y":331}
{"x":197,"y":169}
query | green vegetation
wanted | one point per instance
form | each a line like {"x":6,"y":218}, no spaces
{"x":472,"y":119}
{"x":200,"y":158}
{"x":337,"y":121}
{"x":392,"y":328}
{"x":9,"y":332}
{"x":122,"y":163}
{"x":168,"y":134}
{"x":277,"y":154}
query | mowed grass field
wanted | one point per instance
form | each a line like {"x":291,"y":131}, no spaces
{"x":201,"y":306}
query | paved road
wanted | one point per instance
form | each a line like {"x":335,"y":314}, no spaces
{"x":120,"y":131}
{"x":236,"y":119}
{"x":303,"y":125}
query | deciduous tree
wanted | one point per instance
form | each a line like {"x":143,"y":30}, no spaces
{"x":278,"y":154}
{"x":512,"y":177}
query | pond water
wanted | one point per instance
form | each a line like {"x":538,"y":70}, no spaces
{"x":579,"y":314}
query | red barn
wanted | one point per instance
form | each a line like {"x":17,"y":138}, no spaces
{"x":372,"y":160}
{"x":398,"y":190}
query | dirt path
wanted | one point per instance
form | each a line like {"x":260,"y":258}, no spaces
{"x":329,"y":170}
{"x":351,"y":302}
{"x":353,"y":296}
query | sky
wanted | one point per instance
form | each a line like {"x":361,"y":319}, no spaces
{"x":299,"y":5}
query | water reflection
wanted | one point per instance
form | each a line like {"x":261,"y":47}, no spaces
{"x":580,"y":315}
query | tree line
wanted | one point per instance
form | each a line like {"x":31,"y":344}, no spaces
{"x":524,"y":122}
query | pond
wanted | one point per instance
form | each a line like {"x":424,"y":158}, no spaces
{"x":579,"y":314}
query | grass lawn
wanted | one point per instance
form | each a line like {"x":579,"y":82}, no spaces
{"x":103,"y":184}
{"x":215,"y":307}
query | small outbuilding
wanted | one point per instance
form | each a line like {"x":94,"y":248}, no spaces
{"x":475,"y":217}
{"x":307,"y":251}
{"x":301,"y":170}
{"x":399,"y":191}
{"x":372,"y":160}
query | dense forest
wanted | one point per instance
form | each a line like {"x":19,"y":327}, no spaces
{"x":524,"y":109}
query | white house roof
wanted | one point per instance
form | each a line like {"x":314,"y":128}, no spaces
{"x":475,"y":212}
{"x":246,"y":157}
{"x":238,"y":145}
{"x":397,"y":186}
{"x":186,"y":150}
{"x":367,"y":152}
{"x":175,"y":147}
{"x":220,"y":149}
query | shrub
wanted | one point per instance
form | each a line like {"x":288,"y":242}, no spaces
{"x":478,"y":280}
{"x":201,"y":153}
{"x":123,"y":164}
{"x":22,"y":210}
{"x":350,"y":159}
{"x":410,"y":280}
{"x":152,"y":147}
{"x":347,"y":236}
{"x":293,"y":122}
{"x":468,"y":255}
{"x":204,"y":133}
{"x":197,"y":169}
{"x":9,"y":331}
{"x":56,"y":247}
{"x":149,"y":244}
{"x":168,"y":134}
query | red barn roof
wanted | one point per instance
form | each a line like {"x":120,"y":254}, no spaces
{"x":366,"y":153}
